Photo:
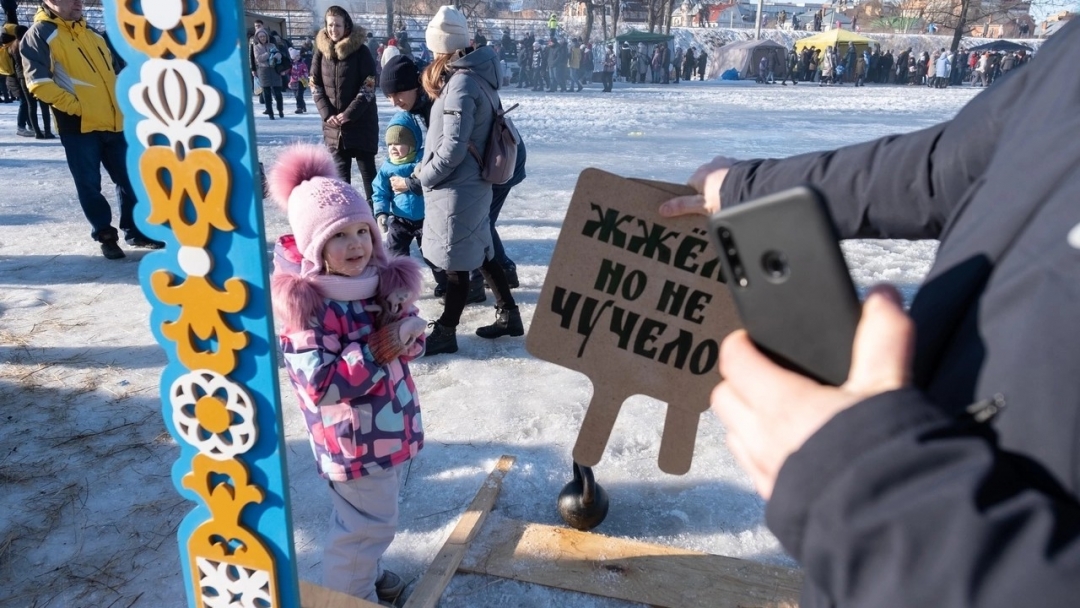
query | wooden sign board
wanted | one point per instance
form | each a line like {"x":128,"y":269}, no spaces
{"x":636,"y":302}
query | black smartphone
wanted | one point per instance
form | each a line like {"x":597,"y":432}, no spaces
{"x":782,"y":260}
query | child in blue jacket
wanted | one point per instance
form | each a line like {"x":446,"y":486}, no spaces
{"x":400,"y":214}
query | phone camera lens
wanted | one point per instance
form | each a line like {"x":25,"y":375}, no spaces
{"x":775,"y":265}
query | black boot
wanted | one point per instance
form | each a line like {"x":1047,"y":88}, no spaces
{"x":440,"y":340}
{"x":507,"y":323}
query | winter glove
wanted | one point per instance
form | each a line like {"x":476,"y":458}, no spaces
{"x":390,"y":342}
{"x":382,"y":222}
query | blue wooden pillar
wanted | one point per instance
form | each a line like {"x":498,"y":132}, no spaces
{"x":186,"y":94}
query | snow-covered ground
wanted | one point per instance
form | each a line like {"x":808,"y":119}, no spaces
{"x":88,"y":513}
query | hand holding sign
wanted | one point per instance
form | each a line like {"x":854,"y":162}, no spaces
{"x":635,"y":302}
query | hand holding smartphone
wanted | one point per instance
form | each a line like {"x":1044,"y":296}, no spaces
{"x":782,"y":260}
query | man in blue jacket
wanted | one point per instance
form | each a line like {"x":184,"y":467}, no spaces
{"x":946,"y":471}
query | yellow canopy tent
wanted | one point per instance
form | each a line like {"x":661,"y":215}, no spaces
{"x":838,"y":39}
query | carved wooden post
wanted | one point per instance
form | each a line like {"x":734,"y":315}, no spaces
{"x":186,"y":96}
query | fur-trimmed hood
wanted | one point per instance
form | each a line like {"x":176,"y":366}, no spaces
{"x":342,"y":48}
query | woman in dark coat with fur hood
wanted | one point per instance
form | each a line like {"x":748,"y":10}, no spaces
{"x":343,"y":78}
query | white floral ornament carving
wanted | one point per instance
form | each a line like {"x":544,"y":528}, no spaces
{"x":163,"y":14}
{"x":241,"y":433}
{"x":173,"y":96}
{"x":232,"y":585}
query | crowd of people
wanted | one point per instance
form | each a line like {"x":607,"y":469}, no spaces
{"x":939,"y":69}
{"x":663,"y":65}
{"x":554,"y":64}
{"x":15,"y":89}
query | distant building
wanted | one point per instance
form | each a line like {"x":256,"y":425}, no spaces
{"x":1054,"y":23}
{"x":741,"y":13}
{"x":985,"y":18}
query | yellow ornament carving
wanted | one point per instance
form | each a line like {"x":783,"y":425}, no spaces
{"x":227,"y":559}
{"x":201,"y":307}
{"x":177,"y":34}
{"x":190,"y":194}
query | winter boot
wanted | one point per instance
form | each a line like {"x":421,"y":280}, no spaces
{"x":389,"y":587}
{"x":140,"y":240}
{"x":440,"y":340}
{"x":507,"y":323}
{"x":110,"y":249}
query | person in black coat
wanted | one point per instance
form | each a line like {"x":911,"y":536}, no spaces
{"x":343,"y":78}
{"x":11,"y":14}
{"x":625,"y":57}
{"x":689,"y":64}
{"x":849,"y":63}
{"x":945,"y":471}
{"x":902,"y":66}
{"x":32,"y":103}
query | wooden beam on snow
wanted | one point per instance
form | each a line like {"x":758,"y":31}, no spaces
{"x":442,"y":569}
{"x":626,"y":569}
{"x":315,"y":596}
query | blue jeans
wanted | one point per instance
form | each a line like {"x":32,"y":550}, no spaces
{"x":499,"y":192}
{"x":400,"y":233}
{"x":86,"y":154}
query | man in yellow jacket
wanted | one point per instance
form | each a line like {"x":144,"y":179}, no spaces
{"x":69,"y":66}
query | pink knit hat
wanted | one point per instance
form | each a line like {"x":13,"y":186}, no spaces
{"x":304,"y":182}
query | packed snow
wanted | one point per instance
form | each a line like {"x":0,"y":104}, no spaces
{"x":88,"y":512}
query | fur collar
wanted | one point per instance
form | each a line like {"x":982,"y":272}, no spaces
{"x":342,"y":48}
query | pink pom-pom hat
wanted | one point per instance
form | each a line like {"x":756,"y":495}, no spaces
{"x":304,"y":182}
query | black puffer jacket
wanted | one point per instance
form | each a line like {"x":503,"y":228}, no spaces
{"x":343,"y":74}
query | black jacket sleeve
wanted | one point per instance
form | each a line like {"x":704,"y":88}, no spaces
{"x":898,"y":501}
{"x":893,"y":504}
{"x":364,"y":101}
{"x":901,"y":186}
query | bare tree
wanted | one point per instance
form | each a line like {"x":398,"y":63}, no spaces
{"x":473,"y":9}
{"x":411,"y":7}
{"x":591,"y":6}
{"x":279,"y":5}
{"x":958,"y":17}
{"x":389,"y":18}
{"x":659,"y":15}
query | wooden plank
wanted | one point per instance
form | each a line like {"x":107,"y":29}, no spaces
{"x":627,"y":569}
{"x":442,"y":569}
{"x":315,"y":596}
